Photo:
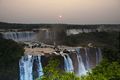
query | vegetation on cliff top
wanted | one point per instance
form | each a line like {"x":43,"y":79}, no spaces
{"x":99,"y":39}
{"x":10,"y":53}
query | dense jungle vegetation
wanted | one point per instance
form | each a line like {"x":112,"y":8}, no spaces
{"x":100,"y":39}
{"x":10,"y":53}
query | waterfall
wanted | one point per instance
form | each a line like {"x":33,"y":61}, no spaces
{"x":26,"y":65}
{"x":65,"y":64}
{"x":77,"y":31}
{"x":40,"y":69}
{"x":84,"y":59}
{"x":20,"y":36}
{"x":87,"y":59}
{"x":47,"y":34}
{"x":81,"y":66}
{"x":68,"y":63}
{"x":98,"y":55}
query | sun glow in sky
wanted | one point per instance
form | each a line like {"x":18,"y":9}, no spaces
{"x":47,"y":11}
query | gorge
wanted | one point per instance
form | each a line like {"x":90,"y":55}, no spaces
{"x":78,"y":60}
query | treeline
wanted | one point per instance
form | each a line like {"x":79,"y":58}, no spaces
{"x":67,"y":26}
{"x":20,"y":26}
{"x":103,"y":39}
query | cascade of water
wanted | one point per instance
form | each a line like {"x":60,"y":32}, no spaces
{"x":40,"y":69}
{"x":20,"y":36}
{"x":66,"y":64}
{"x":70,"y":63}
{"x":87,"y":59}
{"x":98,"y":55}
{"x":26,"y":65}
{"x":81,"y":67}
{"x":21,"y":67}
{"x":47,"y":34}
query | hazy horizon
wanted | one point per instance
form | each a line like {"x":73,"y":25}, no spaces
{"x":60,"y":11}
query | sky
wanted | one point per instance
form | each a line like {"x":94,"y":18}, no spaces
{"x":60,"y":11}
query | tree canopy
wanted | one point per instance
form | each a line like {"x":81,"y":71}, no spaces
{"x":10,"y":51}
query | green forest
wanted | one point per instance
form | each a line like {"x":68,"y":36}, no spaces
{"x":10,"y":53}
